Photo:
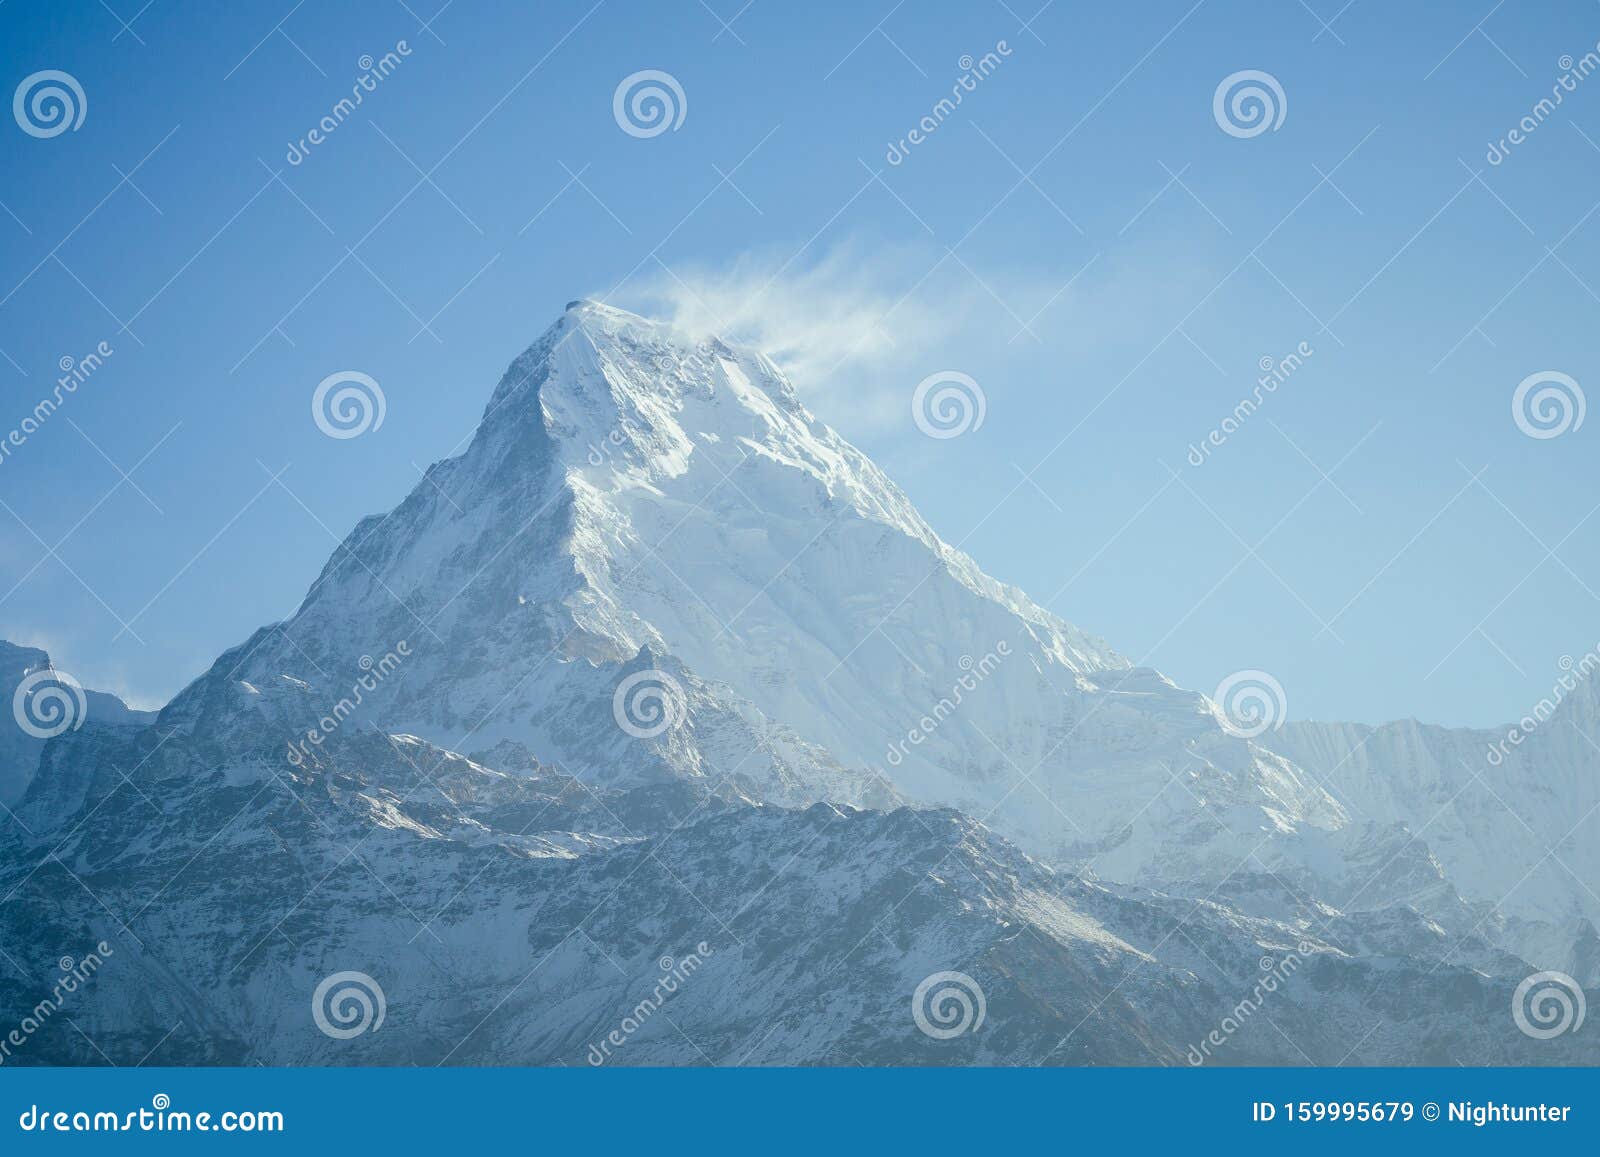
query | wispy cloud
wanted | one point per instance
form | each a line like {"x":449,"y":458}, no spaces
{"x":81,"y":661}
{"x":858,"y":326}
{"x":835,"y":324}
{"x":845,"y":306}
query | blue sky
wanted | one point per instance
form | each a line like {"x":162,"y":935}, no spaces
{"x":1079,"y":235}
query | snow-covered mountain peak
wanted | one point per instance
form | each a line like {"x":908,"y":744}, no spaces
{"x":627,"y":401}
{"x":655,"y":593}
{"x":642,"y":509}
{"x":637,"y":502}
{"x":599,"y":370}
{"x":621,"y":423}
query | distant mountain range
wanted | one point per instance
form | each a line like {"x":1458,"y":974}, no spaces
{"x":26,"y":726}
{"x":662,"y":672}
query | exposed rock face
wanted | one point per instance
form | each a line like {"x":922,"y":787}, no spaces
{"x":50,"y":702}
{"x":754,"y":755}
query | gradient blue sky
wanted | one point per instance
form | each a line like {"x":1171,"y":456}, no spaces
{"x":225,"y":281}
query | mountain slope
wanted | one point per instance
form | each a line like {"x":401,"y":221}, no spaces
{"x":616,"y":684}
{"x":50,"y":702}
{"x":528,"y":918}
{"x":1511,"y":814}
{"x":630,"y":493}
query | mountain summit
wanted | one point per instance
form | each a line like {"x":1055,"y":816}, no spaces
{"x":662,"y":659}
{"x":634,"y":493}
{"x":640,"y":505}
{"x":43,"y":703}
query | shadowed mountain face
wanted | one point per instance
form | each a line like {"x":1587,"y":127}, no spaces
{"x":523,"y":918}
{"x":41,"y":702}
{"x":754,"y":759}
